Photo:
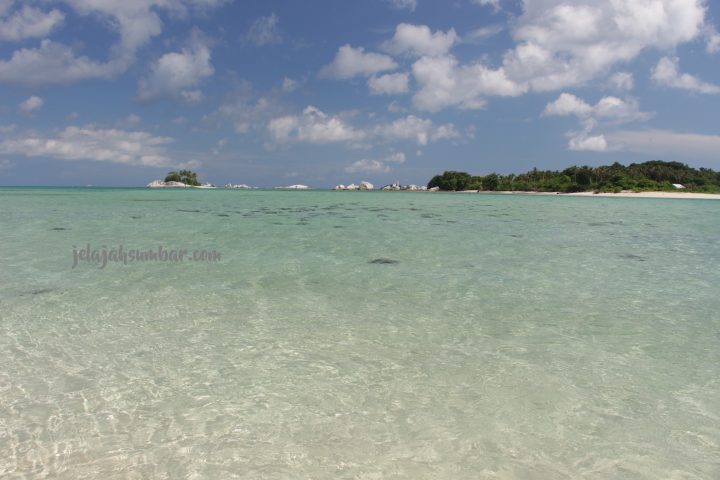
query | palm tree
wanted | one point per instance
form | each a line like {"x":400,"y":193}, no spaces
{"x":185,"y":176}
{"x":173,"y":177}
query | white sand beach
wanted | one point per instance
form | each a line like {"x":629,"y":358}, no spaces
{"x":686,"y":195}
{"x":707,"y":196}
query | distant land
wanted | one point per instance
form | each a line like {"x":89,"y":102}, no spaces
{"x":661,"y":178}
{"x":652,"y":176}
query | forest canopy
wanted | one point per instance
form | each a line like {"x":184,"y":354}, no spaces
{"x":655,"y":175}
{"x":185,"y":176}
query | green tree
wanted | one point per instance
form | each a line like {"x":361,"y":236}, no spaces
{"x":185,"y":176}
{"x":491,"y":182}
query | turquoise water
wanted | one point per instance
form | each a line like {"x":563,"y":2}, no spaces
{"x":494,"y":337}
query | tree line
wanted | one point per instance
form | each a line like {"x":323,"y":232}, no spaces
{"x":655,"y":175}
{"x":185,"y":176}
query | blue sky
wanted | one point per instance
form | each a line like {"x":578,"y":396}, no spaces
{"x":118,"y":92}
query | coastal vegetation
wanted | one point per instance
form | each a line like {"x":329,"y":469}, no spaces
{"x":655,"y":175}
{"x":184,"y":176}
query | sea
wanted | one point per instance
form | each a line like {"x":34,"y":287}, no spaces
{"x":262,"y":334}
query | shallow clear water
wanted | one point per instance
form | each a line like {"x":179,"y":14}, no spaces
{"x":515,"y":337}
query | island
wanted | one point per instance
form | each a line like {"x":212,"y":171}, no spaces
{"x":651,"y":176}
{"x":293,"y":187}
{"x":364,"y":185}
{"x":188,"y":179}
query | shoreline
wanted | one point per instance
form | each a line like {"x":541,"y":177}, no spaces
{"x":688,"y":195}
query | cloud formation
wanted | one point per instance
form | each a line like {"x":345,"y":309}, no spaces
{"x":247,"y":110}
{"x":390,"y":84}
{"x":495,"y":4}
{"x":403,"y":4}
{"x":32,"y":104}
{"x":667,"y":143}
{"x":312,"y":126}
{"x":558,"y":44}
{"x":174,"y":75}
{"x":29,"y":22}
{"x":443,"y":82}
{"x":95,"y":144}
{"x":420,"y":130}
{"x":564,"y":43}
{"x":316,"y":127}
{"x":621,"y":81}
{"x":265,"y":31}
{"x":375,"y":166}
{"x":53,"y":63}
{"x":667,"y":74}
{"x":419,"y":40}
{"x":351,"y":62}
{"x":608,"y":110}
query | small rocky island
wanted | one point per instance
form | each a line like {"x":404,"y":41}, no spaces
{"x":188,"y":179}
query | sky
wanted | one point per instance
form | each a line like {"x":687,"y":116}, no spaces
{"x":322,"y":92}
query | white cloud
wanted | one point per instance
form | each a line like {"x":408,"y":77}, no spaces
{"x":350,"y":62}
{"x":316,"y":127}
{"x":219,"y":145}
{"x":29,"y":22}
{"x":174,"y":74}
{"x":32,"y":104}
{"x":92,"y":143}
{"x":618,"y":110}
{"x":421,"y":130}
{"x":666,"y":73}
{"x":395,"y":107}
{"x":289,"y":85}
{"x":368,"y":166}
{"x":583,"y":142}
{"x":621,"y":81}
{"x":264,"y":31}
{"x":713,"y":41}
{"x":481,"y":34}
{"x":133,"y":119}
{"x":135,"y":21}
{"x":420,"y":40}
{"x":443,"y":83}
{"x":568,"y":104}
{"x":54,"y":63}
{"x":564,"y":43}
{"x":390,"y":84}
{"x":403,"y":4}
{"x":495,"y":4}
{"x":375,"y":166}
{"x":397,"y":157}
{"x":558,"y":44}
{"x":312,"y":126}
{"x":246,"y":110}
{"x":609,"y":110}
{"x":667,"y":143}
{"x":192,"y":96}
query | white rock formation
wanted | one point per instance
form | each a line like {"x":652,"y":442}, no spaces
{"x":161,"y":184}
